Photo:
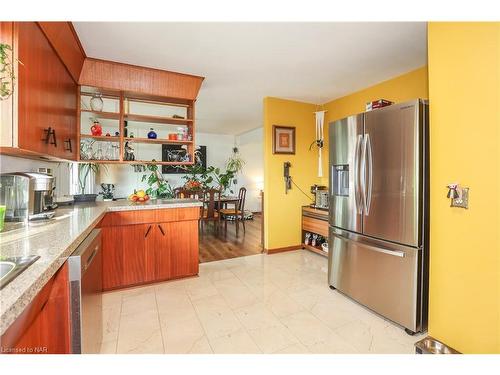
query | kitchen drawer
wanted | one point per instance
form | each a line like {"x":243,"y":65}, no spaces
{"x":131,"y":217}
{"x":315,"y":226}
{"x":150,"y":216}
{"x":177,"y":214}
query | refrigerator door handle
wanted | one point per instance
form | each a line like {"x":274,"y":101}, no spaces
{"x":363,"y":173}
{"x":357,"y":193}
{"x":369,"y":157}
{"x":395,"y":253}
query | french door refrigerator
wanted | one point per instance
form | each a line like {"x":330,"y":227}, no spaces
{"x":378,"y":225}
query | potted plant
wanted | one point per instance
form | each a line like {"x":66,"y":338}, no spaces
{"x":7,"y":76}
{"x":158,"y":185}
{"x":235,"y":163}
{"x":84,"y":170}
{"x":197,"y":177}
{"x":224,"y":179}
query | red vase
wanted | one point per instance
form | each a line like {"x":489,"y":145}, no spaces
{"x":96,"y":129}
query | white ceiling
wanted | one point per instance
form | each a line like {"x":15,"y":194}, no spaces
{"x":244,"y":62}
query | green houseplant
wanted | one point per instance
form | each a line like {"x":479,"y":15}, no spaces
{"x":7,"y":76}
{"x":84,"y":171}
{"x":158,"y":185}
{"x":235,"y":163}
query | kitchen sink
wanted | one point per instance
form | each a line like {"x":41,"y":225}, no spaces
{"x":12,"y":267}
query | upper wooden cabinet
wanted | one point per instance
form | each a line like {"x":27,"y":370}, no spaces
{"x":47,"y":97}
{"x":41,"y":118}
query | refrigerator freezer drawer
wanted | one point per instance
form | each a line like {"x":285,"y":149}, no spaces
{"x":383,"y":278}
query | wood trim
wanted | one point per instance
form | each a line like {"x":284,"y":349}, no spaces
{"x":23,"y":153}
{"x":283,"y":249}
{"x":125,"y":77}
{"x":77,"y":38}
{"x":315,"y":250}
{"x":143,"y":67}
{"x":78,"y":122}
{"x":66,"y":44}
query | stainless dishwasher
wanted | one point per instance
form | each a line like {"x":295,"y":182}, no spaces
{"x":85,"y":279}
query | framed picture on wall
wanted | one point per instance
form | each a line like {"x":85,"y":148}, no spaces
{"x":283,"y":139}
{"x":178,"y":153}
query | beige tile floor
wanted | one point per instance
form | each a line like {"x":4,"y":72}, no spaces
{"x":257,"y":304}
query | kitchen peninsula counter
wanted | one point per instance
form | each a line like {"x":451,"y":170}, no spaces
{"x":54,"y":241}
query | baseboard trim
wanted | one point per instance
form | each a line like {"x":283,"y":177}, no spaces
{"x":283,"y":249}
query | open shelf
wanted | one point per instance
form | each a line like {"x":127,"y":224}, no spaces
{"x":101,"y":137}
{"x":134,"y":162}
{"x":162,"y":141}
{"x":158,"y":119}
{"x":315,"y":249}
{"x":99,"y":114}
{"x":133,"y":111}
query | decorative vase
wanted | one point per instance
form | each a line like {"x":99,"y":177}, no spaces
{"x":96,"y":128}
{"x":152,"y":134}
{"x":96,"y":102}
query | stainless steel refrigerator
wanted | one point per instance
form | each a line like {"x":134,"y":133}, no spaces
{"x":378,"y":234}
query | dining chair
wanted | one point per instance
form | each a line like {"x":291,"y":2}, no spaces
{"x":209,"y":211}
{"x":238,"y":212}
{"x":181,"y":192}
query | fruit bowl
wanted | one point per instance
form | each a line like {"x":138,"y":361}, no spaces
{"x":138,"y":197}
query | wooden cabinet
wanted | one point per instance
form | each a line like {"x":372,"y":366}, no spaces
{"x":45,"y":98}
{"x":112,"y":257}
{"x":183,"y":248}
{"x":43,"y":327}
{"x":314,"y":222}
{"x":143,"y":246}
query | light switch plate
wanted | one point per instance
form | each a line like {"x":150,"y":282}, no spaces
{"x":463,"y":200}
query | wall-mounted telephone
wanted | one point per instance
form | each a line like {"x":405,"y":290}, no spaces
{"x":286,"y":175}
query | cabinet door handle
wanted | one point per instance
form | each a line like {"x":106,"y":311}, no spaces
{"x":68,"y":143}
{"x":54,"y":138}
{"x":48,"y":133}
{"x":147,"y":232}
{"x":161,"y":229}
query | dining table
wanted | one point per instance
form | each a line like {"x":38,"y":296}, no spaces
{"x":223,"y":201}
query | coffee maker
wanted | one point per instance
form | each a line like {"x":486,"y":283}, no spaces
{"x":27,"y":196}
{"x":320,"y":197}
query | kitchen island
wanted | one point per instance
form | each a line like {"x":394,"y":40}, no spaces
{"x":56,"y":239}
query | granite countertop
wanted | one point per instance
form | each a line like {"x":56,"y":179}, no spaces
{"x":54,"y":241}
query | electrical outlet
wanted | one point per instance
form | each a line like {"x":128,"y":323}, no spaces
{"x":463,"y":199}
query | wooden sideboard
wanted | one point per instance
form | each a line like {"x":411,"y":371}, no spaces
{"x":314,"y":221}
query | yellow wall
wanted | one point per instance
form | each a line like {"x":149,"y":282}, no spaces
{"x":411,"y":85}
{"x":464,"y":99}
{"x":282,"y":212}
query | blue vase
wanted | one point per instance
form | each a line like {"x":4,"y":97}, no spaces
{"x":152,"y":134}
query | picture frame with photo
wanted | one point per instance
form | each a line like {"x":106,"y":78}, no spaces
{"x":283,"y":139}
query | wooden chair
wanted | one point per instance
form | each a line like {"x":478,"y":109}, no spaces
{"x":181,"y":192}
{"x":209,"y":212}
{"x":238,"y":212}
